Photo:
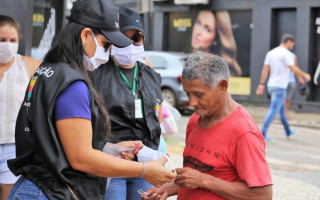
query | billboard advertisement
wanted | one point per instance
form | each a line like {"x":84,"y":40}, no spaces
{"x":226,"y":33}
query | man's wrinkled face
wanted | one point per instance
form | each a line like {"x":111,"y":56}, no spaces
{"x":203,"y":98}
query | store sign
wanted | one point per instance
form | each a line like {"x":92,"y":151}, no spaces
{"x":38,"y":19}
{"x":191,"y":1}
{"x":239,"y":86}
{"x":181,"y":24}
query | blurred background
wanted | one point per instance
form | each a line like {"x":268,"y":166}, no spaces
{"x":256,"y":25}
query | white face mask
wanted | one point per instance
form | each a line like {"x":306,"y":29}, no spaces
{"x":127,"y":55}
{"x":7,"y":51}
{"x":100,"y":57}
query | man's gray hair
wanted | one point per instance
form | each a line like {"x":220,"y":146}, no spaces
{"x":210,"y":68}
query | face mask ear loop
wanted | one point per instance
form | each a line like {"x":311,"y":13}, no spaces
{"x":95,"y":40}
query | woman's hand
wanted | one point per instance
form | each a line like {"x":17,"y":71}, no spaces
{"x":156,"y":174}
{"x":129,"y":155}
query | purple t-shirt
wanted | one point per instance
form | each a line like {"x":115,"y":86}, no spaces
{"x":73,"y":102}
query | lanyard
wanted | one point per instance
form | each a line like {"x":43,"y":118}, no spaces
{"x":133,"y":88}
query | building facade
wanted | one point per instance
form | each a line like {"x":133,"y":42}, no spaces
{"x":256,"y":26}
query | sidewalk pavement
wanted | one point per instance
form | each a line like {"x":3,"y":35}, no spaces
{"x":294,"y":162}
{"x":298,"y":119}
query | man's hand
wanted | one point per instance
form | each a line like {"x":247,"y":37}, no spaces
{"x":155,"y":194}
{"x":264,"y":75}
{"x":307,"y":77}
{"x":301,"y":80}
{"x":260,"y":89}
{"x":189,"y":178}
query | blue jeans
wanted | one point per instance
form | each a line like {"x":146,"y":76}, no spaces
{"x":25,"y":189}
{"x":277,"y":105}
{"x":7,"y":152}
{"x":126,"y":188}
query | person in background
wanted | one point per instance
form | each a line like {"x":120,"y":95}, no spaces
{"x":277,"y":65}
{"x":62,"y":124}
{"x":212,"y":33}
{"x":131,"y":93}
{"x":224,"y":156}
{"x":15,"y":73}
{"x":292,"y":86}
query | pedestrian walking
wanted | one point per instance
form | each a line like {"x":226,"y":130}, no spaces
{"x":277,"y":66}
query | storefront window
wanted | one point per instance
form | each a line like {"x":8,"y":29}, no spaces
{"x":44,"y":28}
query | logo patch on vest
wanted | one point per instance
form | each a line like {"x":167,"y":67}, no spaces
{"x":45,"y":71}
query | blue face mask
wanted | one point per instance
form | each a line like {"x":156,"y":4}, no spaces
{"x":127,"y":55}
{"x":100,"y":57}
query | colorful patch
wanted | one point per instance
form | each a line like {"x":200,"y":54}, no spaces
{"x":31,"y":86}
{"x":157,"y":109}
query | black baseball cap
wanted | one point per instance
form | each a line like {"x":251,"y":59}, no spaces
{"x":102,"y":15}
{"x":130,"y":19}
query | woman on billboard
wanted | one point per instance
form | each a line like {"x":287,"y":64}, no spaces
{"x":212,"y":33}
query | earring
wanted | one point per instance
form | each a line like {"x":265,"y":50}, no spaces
{"x":84,"y":43}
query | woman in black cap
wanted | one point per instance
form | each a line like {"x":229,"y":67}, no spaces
{"x":131,"y":93}
{"x":62,"y":124}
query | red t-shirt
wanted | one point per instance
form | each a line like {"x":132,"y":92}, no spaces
{"x":233,"y":150}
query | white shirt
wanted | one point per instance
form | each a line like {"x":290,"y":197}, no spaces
{"x":279,"y":60}
{"x":12,"y":90}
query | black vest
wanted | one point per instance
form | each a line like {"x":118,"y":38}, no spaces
{"x":40,"y":156}
{"x":119,"y":101}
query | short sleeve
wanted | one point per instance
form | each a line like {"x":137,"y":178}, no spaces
{"x":74,"y":102}
{"x":289,"y":59}
{"x":267,"y":60}
{"x":251,"y":163}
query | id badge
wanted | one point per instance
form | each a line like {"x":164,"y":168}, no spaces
{"x":138,"y":108}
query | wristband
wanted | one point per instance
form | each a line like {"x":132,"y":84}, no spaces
{"x":262,"y":84}
{"x":144,"y":169}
